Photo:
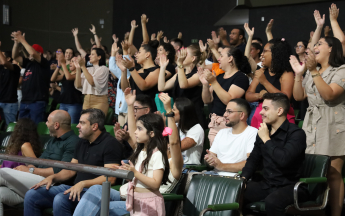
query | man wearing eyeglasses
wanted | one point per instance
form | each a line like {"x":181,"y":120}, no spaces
{"x":232,"y":146}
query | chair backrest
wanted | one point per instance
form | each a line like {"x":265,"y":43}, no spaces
{"x":315,"y":166}
{"x":42,"y":128}
{"x":110,"y":129}
{"x":75,"y":129}
{"x":110,"y":116}
{"x":207,"y":190}
{"x":206,"y":145}
{"x":10,"y":127}
{"x":300,"y":124}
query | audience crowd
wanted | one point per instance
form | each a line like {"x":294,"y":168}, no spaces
{"x":170,"y":98}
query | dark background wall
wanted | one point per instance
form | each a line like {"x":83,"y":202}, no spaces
{"x":292,"y":22}
{"x":49,"y":22}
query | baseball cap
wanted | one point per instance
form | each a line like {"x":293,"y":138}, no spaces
{"x":38,"y":48}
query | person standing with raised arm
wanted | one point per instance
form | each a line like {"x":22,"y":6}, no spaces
{"x":324,"y":122}
{"x":338,"y":33}
{"x":35,"y":85}
{"x":269,"y":30}
{"x":9,"y":77}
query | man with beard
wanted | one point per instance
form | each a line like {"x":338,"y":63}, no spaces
{"x":61,"y":147}
{"x":232,"y":145}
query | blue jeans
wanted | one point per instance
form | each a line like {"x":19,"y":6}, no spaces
{"x":90,"y":204}
{"x":34,"y":111}
{"x":9,"y":111}
{"x":73,"y":110}
{"x":253,"y":106}
{"x":37,"y":200}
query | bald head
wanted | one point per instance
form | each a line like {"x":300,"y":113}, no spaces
{"x":63,"y":118}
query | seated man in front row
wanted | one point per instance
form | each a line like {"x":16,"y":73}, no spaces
{"x":280,"y":147}
{"x":96,"y":147}
{"x":16,"y":182}
{"x":232,"y":146}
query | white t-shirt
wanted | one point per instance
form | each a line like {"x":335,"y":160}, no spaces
{"x":192,"y":155}
{"x":155,"y":163}
{"x":233,"y":148}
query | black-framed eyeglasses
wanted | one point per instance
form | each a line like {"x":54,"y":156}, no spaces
{"x":138,"y":108}
{"x":231,"y":111}
{"x":300,"y":46}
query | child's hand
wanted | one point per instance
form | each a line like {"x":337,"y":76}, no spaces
{"x":129,"y":167}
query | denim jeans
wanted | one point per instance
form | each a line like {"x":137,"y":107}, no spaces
{"x":34,"y":111}
{"x":73,"y":110}
{"x":90,"y":204}
{"x":37,"y":200}
{"x":9,"y":111}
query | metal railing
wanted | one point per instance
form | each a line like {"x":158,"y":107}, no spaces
{"x":124,"y":174}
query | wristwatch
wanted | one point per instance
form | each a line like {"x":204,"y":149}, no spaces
{"x":180,"y":66}
{"x":31,"y":170}
{"x":170,"y":114}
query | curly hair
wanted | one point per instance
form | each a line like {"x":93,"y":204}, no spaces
{"x":24,"y":131}
{"x":155,"y":123}
{"x":281,"y":52}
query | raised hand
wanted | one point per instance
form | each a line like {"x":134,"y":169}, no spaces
{"x":210,"y":76}
{"x":133,"y":25}
{"x":119,"y":63}
{"x":144,"y":19}
{"x":179,"y":36}
{"x":320,"y":21}
{"x":215,"y":39}
{"x":202,"y":46}
{"x":181,"y":55}
{"x":128,"y":63}
{"x":269,"y":26}
{"x":129,"y":96}
{"x":76,"y":63}
{"x":127,"y":35}
{"x":211,"y":43}
{"x":92,"y":41}
{"x":166,"y":100}
{"x":222,"y":33}
{"x":296,"y":66}
{"x":333,"y":12}
{"x":81,"y":61}
{"x":311,"y":61}
{"x":163,"y":61}
{"x":124,"y":45}
{"x":116,"y":39}
{"x":159,"y":35}
{"x":61,"y":58}
{"x":75,"y":32}
{"x":249,"y":32}
{"x":93,"y":29}
{"x":153,"y":36}
{"x":326,"y":30}
{"x":18,"y":36}
{"x":165,"y":40}
{"x":114,"y":47}
{"x":202,"y":76}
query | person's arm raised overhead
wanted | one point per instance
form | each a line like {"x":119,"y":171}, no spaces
{"x":153,"y":37}
{"x":162,"y":84}
{"x":57,"y":75}
{"x":15,"y":51}
{"x":298,"y":91}
{"x":131,"y":36}
{"x":112,"y":61}
{"x":130,"y":99}
{"x":165,"y":39}
{"x":82,"y":52}
{"x":206,"y":94}
{"x":77,"y":81}
{"x":179,"y":36}
{"x":159,"y":36}
{"x":223,"y":37}
{"x":182,"y":79}
{"x":21,"y":39}
{"x":213,"y":47}
{"x":337,"y":32}
{"x":124,"y":79}
{"x":144,"y":21}
{"x":174,"y":139}
{"x":4,"y":62}
{"x":248,"y":46}
{"x":320,"y":21}
{"x":97,"y":40}
{"x":269,"y":30}
{"x":327,"y":31}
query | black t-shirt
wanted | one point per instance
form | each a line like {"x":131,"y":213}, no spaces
{"x":8,"y":84}
{"x":171,"y":69}
{"x":69,"y":94}
{"x":274,"y":80}
{"x":104,"y":150}
{"x":150,"y":92}
{"x":36,"y":80}
{"x":239,"y":79}
{"x":242,"y":47}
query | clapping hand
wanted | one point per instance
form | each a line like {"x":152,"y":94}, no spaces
{"x":320,"y":21}
{"x":211,"y":43}
{"x":311,"y":61}
{"x":222,"y":33}
{"x":181,"y":55}
{"x":202,"y":76}
{"x":165,"y":39}
{"x":128,"y":63}
{"x":166,"y":100}
{"x":153,"y":36}
{"x":18,"y":36}
{"x":333,"y":12}
{"x":81,"y":61}
{"x":269,"y":26}
{"x":163,"y":61}
{"x":210,"y":76}
{"x":215,"y":39}
{"x":249,"y":32}
{"x":202,"y":46}
{"x":296,"y":66}
{"x":130,"y":96}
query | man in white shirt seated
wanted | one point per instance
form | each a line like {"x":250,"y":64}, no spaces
{"x":232,"y":145}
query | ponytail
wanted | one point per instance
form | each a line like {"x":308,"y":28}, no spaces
{"x":240,"y":60}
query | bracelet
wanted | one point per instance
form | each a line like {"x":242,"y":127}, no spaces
{"x":180,"y":66}
{"x":298,"y":80}
{"x":94,"y":33}
{"x":59,"y":67}
{"x":131,"y":69}
{"x":315,"y":75}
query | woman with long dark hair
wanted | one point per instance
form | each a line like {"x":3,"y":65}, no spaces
{"x":324,"y":123}
{"x":275,"y":76}
{"x":300,"y":49}
{"x":224,"y":87}
{"x":93,"y":83}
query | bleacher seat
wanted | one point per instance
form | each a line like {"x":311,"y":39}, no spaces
{"x":110,"y":116}
{"x":49,"y":105}
{"x":300,"y":124}
{"x":314,"y":171}
{"x":75,"y":129}
{"x":42,"y":128}
{"x":10,"y":127}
